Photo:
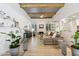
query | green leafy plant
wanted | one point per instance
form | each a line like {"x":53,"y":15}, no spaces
{"x":14,"y":40}
{"x":76,"y":37}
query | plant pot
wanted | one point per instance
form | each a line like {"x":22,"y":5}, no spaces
{"x":25,"y":44}
{"x":14,"y":51}
{"x":60,"y":43}
{"x":75,"y":52}
{"x":63,"y":47}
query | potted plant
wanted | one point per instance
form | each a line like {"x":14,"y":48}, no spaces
{"x":75,"y":46}
{"x":14,"y":45}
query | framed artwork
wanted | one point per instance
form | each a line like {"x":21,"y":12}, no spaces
{"x":41,"y":25}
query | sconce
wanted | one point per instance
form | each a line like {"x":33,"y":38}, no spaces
{"x":6,"y":17}
{"x":3,"y":15}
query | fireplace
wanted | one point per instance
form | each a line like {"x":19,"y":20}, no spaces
{"x":41,"y":32}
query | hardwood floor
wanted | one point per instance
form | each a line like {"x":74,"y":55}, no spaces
{"x":37,"y":48}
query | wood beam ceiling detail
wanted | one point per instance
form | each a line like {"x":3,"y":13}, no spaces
{"x":32,"y":5}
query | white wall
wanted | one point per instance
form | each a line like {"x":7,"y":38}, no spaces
{"x":41,"y":21}
{"x":14,"y":10}
{"x":67,"y":10}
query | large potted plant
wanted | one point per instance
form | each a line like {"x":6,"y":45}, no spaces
{"x":14,"y":43}
{"x":75,"y":46}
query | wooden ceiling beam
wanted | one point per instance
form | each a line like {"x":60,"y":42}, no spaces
{"x":37,"y":15}
{"x":40,"y":15}
{"x":40,"y":18}
{"x":43,"y":13}
{"x":41,"y":5}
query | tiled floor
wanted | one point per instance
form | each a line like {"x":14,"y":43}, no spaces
{"x":37,"y":48}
